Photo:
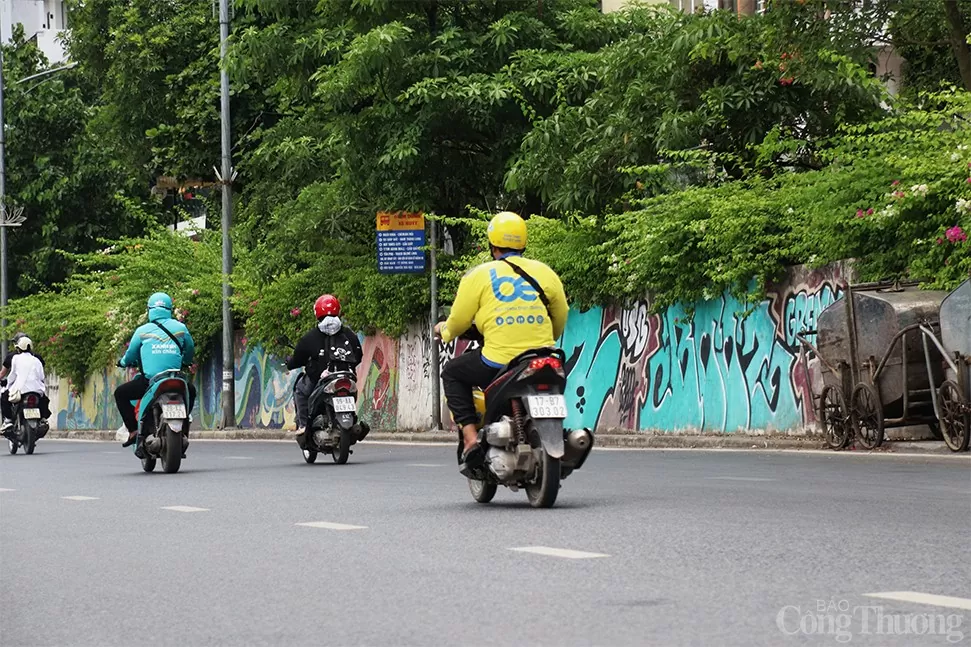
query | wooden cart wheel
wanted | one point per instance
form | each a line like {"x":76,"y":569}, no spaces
{"x":866,"y":413}
{"x":955,"y":417}
{"x":834,"y":417}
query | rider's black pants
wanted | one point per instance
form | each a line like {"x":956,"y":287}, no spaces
{"x":301,"y":398}
{"x":134,"y":390}
{"x":460,"y":376}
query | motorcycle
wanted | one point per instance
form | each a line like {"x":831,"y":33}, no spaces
{"x":334,"y":427}
{"x":163,"y":422}
{"x":28,"y":425}
{"x":521,"y":429}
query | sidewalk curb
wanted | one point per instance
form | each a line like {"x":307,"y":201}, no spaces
{"x":606,"y":440}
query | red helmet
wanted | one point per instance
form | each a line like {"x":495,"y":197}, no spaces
{"x":327,"y":306}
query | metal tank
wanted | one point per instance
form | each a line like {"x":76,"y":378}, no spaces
{"x":904,"y":376}
{"x":956,"y":321}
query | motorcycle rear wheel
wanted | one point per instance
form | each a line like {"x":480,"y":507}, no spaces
{"x":30,"y":442}
{"x":172,"y":452}
{"x":542,"y":493}
{"x":343,"y":449}
{"x":310,"y":456}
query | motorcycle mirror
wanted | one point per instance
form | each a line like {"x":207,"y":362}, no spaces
{"x":284,"y":341}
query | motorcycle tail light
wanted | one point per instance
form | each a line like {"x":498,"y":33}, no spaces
{"x":32,"y":401}
{"x":540,"y":363}
{"x":343,"y":385}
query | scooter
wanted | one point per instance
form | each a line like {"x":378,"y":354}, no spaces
{"x":163,"y":422}
{"x":520,"y":427}
{"x":28,"y":425}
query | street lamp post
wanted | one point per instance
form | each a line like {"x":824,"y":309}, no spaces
{"x":226,"y":177}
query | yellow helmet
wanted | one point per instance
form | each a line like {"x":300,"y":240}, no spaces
{"x":508,"y":231}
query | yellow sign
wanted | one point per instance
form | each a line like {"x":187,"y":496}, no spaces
{"x":400,"y":221}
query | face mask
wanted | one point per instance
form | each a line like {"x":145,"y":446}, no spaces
{"x":329,"y":325}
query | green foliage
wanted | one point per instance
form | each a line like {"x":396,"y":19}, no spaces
{"x":71,"y":186}
{"x":83,"y":325}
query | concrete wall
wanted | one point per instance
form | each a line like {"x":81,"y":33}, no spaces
{"x":627,"y":369}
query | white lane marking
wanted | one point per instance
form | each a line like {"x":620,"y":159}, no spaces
{"x":425,"y":465}
{"x":115,"y":452}
{"x":6,"y":489}
{"x":81,"y":498}
{"x":735,"y":478}
{"x":238,"y":458}
{"x":924,"y":598}
{"x":558,"y":552}
{"x":330,"y":526}
{"x":184,"y":508}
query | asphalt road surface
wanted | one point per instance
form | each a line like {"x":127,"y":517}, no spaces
{"x":643,"y":548}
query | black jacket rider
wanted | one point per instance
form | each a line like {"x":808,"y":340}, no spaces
{"x":318,"y":351}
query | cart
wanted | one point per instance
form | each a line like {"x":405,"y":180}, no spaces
{"x":881,"y":362}
{"x":954,"y":397}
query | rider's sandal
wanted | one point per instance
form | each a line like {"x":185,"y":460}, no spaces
{"x":131,"y":439}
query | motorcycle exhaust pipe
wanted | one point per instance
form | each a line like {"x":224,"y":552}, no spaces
{"x":579,"y":442}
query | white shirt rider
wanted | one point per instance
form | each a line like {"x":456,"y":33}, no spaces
{"x":26,"y":376}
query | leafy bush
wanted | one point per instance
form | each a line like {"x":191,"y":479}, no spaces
{"x":84,"y":325}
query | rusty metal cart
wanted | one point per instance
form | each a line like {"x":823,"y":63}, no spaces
{"x":862,"y":395}
{"x":954,"y":397}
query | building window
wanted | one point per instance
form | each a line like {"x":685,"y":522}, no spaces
{"x":689,"y":6}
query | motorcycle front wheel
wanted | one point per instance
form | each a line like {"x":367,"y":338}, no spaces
{"x":482,"y":491}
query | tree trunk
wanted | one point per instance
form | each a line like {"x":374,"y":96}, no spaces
{"x":959,"y":40}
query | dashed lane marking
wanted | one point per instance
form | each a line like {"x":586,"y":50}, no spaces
{"x":924,"y":598}
{"x":327,"y":525}
{"x":81,"y":498}
{"x":558,"y":552}
{"x":184,"y":508}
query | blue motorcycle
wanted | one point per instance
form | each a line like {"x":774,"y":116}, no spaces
{"x":163,"y":422}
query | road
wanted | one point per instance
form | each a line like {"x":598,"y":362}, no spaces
{"x":675,"y":548}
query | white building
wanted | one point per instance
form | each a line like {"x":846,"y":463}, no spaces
{"x":44,"y":21}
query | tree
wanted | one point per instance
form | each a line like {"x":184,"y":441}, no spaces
{"x":70,"y":183}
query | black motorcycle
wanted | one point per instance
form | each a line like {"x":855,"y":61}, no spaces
{"x":28,"y":424}
{"x":521,"y":429}
{"x":334,"y":427}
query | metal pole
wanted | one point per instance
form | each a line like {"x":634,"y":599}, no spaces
{"x":3,"y":215}
{"x":228,"y":392}
{"x":436,"y":389}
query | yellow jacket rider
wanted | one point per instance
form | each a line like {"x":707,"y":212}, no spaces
{"x":508,"y":312}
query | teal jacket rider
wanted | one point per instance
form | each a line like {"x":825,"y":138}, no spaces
{"x":153,"y":350}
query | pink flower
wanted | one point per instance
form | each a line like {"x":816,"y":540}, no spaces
{"x":245,"y":341}
{"x":895,"y":183}
{"x":295,"y":312}
{"x":940,"y":241}
{"x":899,"y":194}
{"x":956,"y":235}
{"x":195,"y":292}
{"x":860,"y":213}
{"x":869,"y":211}
{"x":969,"y":180}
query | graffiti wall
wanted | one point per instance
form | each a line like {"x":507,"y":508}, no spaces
{"x":264,"y":391}
{"x":727,"y":366}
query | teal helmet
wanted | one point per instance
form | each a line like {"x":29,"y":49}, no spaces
{"x":159,"y":306}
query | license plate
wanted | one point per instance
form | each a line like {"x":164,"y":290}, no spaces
{"x":345,"y":405}
{"x":32,"y":414}
{"x":547,"y":406}
{"x":173,"y":411}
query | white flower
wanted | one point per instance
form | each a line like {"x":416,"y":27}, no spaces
{"x":963,"y":205}
{"x":813,"y":260}
{"x":962,"y":147}
{"x":919,"y":189}
{"x":955,"y":157}
{"x":887,"y":212}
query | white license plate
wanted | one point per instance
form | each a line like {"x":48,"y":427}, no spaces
{"x":345,"y":405}
{"x":173,"y":411}
{"x":547,"y":406}
{"x":32,"y":414}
